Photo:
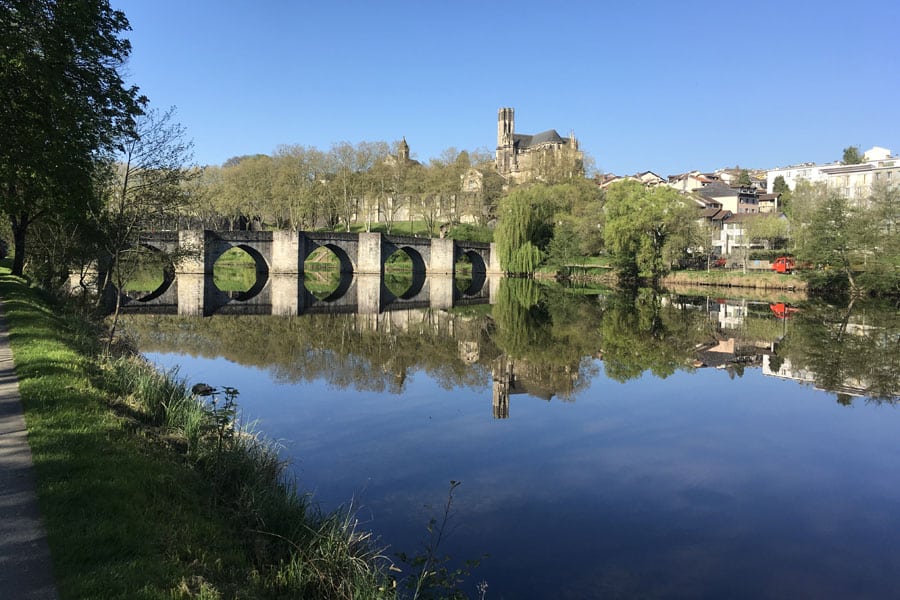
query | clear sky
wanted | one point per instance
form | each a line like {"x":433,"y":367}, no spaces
{"x":667,"y":86}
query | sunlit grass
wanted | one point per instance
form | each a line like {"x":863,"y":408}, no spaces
{"x":149,"y":492}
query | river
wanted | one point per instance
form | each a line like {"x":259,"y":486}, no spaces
{"x":605,"y":446}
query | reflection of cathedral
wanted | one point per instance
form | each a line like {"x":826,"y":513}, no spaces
{"x":543,"y":157}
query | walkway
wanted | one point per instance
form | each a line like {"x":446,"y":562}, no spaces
{"x":25,"y":567}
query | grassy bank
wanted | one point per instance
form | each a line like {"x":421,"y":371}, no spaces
{"x":722,"y":278}
{"x":150,"y":491}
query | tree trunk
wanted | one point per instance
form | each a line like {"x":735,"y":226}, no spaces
{"x":19,"y":227}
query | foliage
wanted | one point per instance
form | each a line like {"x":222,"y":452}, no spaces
{"x":471,"y":233}
{"x":174,"y":498}
{"x":853,"y":244}
{"x":639,"y":333}
{"x":771,"y":228}
{"x":646,"y":229}
{"x":851,"y":156}
{"x":780,"y":186}
{"x":434,"y":578}
{"x":63,"y":106}
{"x":525,"y":228}
{"x":565,"y":245}
{"x":847,"y":356}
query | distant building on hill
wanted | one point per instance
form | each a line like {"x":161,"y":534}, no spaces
{"x":545,"y":156}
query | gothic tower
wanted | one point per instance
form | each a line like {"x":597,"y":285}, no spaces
{"x":506,"y":127}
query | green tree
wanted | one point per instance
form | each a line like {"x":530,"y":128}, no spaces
{"x":880,"y":233}
{"x":297,"y":173}
{"x":831,"y":233}
{"x":248,"y":190}
{"x":780,"y":187}
{"x":646,"y":228}
{"x":852,"y":156}
{"x":771,"y":229}
{"x":63,"y":106}
{"x":744,"y":178}
{"x":525,"y":228}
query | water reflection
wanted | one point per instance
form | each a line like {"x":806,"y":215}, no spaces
{"x":543,"y":341}
{"x":649,"y":445}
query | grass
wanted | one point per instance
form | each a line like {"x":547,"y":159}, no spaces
{"x":148,"y":491}
{"x":735,"y":278}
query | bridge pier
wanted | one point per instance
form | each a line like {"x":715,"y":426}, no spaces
{"x":192,"y":248}
{"x":286,"y":252}
{"x":443,"y":256}
{"x":369,"y":257}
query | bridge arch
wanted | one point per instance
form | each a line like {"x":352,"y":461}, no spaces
{"x":160,"y":258}
{"x":479,"y":271}
{"x":344,"y":259}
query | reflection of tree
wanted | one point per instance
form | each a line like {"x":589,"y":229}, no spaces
{"x":519,"y":317}
{"x":641,"y":334}
{"x":549,"y":332}
{"x":345,"y":350}
{"x":849,"y":350}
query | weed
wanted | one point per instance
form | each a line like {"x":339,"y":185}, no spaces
{"x":434,"y":578}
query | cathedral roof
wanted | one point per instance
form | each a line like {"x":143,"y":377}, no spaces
{"x":526,"y":141}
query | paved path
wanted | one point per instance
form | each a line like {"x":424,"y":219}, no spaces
{"x":25,"y":567}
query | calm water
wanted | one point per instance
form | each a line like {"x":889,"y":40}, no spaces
{"x":608,"y":446}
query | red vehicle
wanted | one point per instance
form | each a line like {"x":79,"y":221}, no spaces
{"x":782,"y":310}
{"x":784,"y":264}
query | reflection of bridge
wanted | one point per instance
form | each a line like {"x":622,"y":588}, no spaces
{"x":285,"y":294}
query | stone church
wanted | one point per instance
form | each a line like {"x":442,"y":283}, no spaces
{"x":546,"y":156}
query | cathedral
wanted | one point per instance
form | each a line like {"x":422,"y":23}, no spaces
{"x":546,"y":156}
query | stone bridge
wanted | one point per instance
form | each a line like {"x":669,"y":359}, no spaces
{"x":188,"y":287}
{"x":287,"y":251}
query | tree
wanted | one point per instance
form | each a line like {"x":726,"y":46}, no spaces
{"x":247,"y":193}
{"x":646,"y":228}
{"x":744,"y":178}
{"x":773,"y":229}
{"x":145,"y":190}
{"x":297,"y":174}
{"x":63,"y":107}
{"x":780,"y":187}
{"x":852,"y":156}
{"x":580,"y":203}
{"x":525,"y":228}
{"x":831,"y":233}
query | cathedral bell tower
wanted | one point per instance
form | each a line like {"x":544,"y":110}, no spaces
{"x":506,"y":127}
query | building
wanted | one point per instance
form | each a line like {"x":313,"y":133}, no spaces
{"x":689,"y":182}
{"x":738,"y":200}
{"x":545,"y":156}
{"x":852,"y":181}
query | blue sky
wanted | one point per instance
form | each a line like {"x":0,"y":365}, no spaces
{"x":662,"y":86}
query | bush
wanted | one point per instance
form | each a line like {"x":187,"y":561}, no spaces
{"x":768,"y":255}
{"x":471,"y":233}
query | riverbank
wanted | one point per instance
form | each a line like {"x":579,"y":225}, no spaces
{"x":148,"y":491}
{"x":721,"y":278}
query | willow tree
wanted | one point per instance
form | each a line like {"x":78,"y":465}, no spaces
{"x":525,"y":228}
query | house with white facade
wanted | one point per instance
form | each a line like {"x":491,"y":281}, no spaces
{"x":852,"y":181}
